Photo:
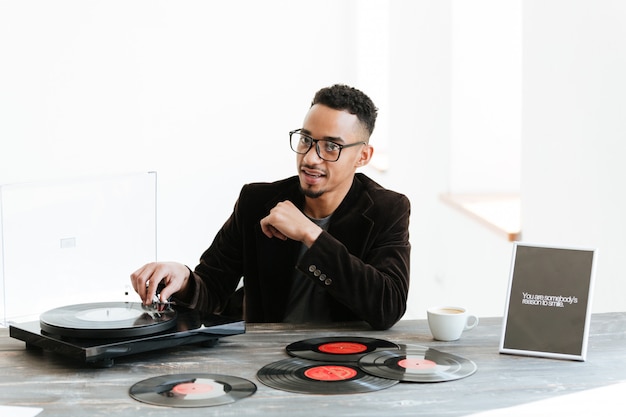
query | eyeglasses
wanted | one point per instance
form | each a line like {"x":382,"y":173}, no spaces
{"x":326,"y":149}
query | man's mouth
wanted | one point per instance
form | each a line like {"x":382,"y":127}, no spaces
{"x":313,"y":174}
{"x":311,"y":181}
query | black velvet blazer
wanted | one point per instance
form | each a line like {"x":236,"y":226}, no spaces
{"x":362,"y":260}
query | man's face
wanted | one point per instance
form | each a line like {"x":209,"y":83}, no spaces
{"x":333,"y":179}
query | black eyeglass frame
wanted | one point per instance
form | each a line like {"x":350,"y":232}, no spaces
{"x":317,"y":146}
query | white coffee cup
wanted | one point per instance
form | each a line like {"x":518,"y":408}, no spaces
{"x":448,"y":323}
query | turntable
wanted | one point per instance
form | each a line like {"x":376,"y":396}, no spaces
{"x":96,"y":333}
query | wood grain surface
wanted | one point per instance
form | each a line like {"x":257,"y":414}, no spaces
{"x":62,"y":387}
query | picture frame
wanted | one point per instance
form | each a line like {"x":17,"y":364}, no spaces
{"x":548,"y":305}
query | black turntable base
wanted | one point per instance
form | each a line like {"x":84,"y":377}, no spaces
{"x":80,"y":333}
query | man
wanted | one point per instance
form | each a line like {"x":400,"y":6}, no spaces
{"x":326,"y":245}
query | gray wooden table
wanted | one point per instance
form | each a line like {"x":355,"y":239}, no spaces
{"x":64,"y":388}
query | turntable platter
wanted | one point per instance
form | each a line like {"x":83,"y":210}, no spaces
{"x":106,"y":320}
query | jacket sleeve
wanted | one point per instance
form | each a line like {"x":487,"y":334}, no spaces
{"x":373,"y":285}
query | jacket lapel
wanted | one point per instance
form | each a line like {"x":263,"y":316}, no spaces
{"x":350,"y":223}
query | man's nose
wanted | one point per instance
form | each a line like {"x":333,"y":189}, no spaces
{"x":312,"y":157}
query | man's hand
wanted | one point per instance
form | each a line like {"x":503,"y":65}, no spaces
{"x":145,"y":280}
{"x":285,"y":221}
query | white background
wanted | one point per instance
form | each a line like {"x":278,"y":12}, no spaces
{"x":474,"y":96}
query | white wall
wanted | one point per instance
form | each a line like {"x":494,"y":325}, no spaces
{"x":574,"y":133}
{"x":202,"y":92}
{"x":454,"y":260}
{"x":486,"y":88}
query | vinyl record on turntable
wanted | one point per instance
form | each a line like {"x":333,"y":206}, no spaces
{"x":106,"y":320}
{"x":192,"y":390}
{"x":338,"y":349}
{"x":319,"y":377}
{"x":414,"y":363}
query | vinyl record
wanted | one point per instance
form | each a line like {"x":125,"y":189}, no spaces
{"x":192,"y":390}
{"x":106,"y":320}
{"x":319,"y":377}
{"x":415,"y":363}
{"x":338,"y":349}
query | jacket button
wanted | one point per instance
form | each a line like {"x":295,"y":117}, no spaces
{"x":328,"y":281}
{"x":312,"y":268}
{"x":323,"y":277}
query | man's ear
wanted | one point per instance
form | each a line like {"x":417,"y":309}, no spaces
{"x":365,"y":156}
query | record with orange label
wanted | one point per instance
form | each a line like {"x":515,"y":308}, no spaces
{"x":319,"y":377}
{"x":339,"y":349}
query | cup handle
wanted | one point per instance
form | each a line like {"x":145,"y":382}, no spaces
{"x":472,"y":321}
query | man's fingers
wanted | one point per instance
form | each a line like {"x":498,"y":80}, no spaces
{"x":270,"y":231}
{"x":145,"y":281}
{"x":277,"y":233}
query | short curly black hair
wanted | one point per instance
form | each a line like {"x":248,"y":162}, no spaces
{"x":343,"y":97}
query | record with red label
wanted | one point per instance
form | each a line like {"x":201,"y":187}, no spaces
{"x":192,"y":390}
{"x":318,"y":377}
{"x":414,"y":363}
{"x":338,"y":349}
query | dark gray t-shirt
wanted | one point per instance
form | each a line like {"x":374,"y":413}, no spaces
{"x":308,"y":302}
